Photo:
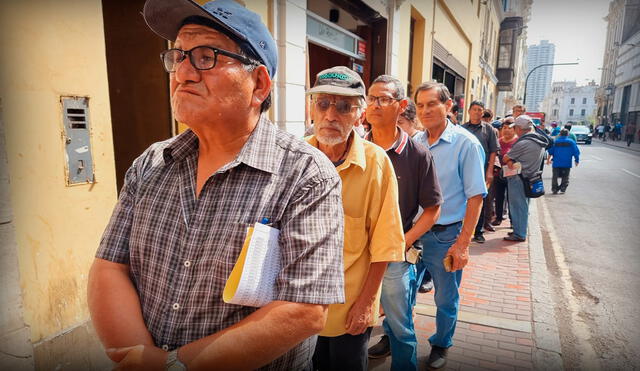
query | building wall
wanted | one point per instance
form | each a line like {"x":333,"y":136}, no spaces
{"x":560,"y":100}
{"x":58,"y":228}
{"x":507,"y":99}
{"x":628,"y":73}
{"x":455,"y":25}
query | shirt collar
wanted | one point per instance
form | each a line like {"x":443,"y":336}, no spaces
{"x":447,"y":135}
{"x":398,"y":146}
{"x":354,"y":156}
{"x":180,"y":147}
{"x":257,"y":152}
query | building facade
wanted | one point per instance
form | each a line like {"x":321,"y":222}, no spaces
{"x":568,"y":103}
{"x":619,"y":96}
{"x":83,"y":93}
{"x":511,"y":66}
{"x":539,"y":83}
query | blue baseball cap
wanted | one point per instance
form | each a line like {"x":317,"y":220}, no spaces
{"x":165,"y":17}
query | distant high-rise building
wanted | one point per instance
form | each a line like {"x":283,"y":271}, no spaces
{"x":539,"y":83}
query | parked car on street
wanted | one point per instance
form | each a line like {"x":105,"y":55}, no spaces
{"x":582,"y":133}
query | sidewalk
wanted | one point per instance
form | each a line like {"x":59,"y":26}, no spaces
{"x":620,"y":143}
{"x":496,"y":328}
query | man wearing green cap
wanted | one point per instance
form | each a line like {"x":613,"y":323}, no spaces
{"x":373,"y":234}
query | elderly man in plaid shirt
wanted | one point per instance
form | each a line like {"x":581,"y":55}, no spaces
{"x":155,"y":288}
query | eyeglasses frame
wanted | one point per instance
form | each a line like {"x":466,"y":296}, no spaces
{"x":216,"y":51}
{"x":331,"y":103}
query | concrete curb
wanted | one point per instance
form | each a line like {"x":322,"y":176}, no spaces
{"x":546,"y":336}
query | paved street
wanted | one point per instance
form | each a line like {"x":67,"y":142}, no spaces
{"x":591,"y":243}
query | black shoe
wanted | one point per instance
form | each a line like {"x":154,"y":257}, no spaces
{"x":496,"y":222}
{"x":562,"y":192}
{"x":382,"y":349}
{"x":555,"y":192}
{"x":514,"y":238}
{"x":437,"y":357}
{"x":479,"y":238}
{"x":426,"y":287}
{"x":489,"y":227}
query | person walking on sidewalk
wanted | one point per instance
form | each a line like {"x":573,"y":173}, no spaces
{"x":459,"y":159}
{"x":506,"y":141}
{"x":629,"y":130}
{"x":155,"y":288}
{"x":417,"y":187}
{"x":561,"y":154}
{"x":373,"y":226}
{"x":529,"y":152}
{"x":489,"y":140}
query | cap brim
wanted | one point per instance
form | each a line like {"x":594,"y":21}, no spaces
{"x":336,"y":90}
{"x":164,"y":17}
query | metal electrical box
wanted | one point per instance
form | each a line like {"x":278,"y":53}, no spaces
{"x":76,"y":136}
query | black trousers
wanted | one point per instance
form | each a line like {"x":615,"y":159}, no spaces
{"x":344,"y":352}
{"x":500,"y":194}
{"x":560,"y":172}
{"x":629,"y":138}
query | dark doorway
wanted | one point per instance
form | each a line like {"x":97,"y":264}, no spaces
{"x":624,"y":107}
{"x":138,"y":86}
{"x":321,"y":58}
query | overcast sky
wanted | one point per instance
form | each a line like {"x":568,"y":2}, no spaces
{"x":577,"y":29}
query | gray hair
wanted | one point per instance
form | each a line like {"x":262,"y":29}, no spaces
{"x":441,"y":89}
{"x":398,"y":92}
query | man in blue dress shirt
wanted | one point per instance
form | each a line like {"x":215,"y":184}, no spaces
{"x":459,"y":161}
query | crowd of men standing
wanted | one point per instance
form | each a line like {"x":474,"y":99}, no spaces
{"x":364,"y":218}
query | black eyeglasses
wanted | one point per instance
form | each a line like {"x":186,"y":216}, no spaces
{"x":382,"y":100}
{"x":342,"y":106}
{"x":201,"y":58}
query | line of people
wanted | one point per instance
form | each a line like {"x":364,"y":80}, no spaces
{"x":361,"y":220}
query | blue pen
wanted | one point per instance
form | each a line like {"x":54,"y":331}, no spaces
{"x":264,"y":221}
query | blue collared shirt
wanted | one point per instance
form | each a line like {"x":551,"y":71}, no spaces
{"x":459,"y":160}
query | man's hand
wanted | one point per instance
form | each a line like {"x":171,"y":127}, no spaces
{"x":138,"y":357}
{"x":460,"y":253}
{"x":359,"y":318}
{"x":577,"y":163}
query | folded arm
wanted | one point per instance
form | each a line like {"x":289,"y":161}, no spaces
{"x":258,"y":339}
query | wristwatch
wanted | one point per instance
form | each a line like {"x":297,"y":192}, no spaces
{"x":173,"y":363}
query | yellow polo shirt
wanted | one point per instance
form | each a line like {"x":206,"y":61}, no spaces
{"x":372,"y":223}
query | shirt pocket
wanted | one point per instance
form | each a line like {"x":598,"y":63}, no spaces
{"x":221,"y":251}
{"x":355,"y":239}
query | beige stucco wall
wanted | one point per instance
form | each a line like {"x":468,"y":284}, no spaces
{"x":50,"y":49}
{"x":454,"y":25}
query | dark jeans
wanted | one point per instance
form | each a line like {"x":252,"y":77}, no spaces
{"x":344,"y":352}
{"x":500,"y":195}
{"x":560,"y":172}
{"x":629,"y":138}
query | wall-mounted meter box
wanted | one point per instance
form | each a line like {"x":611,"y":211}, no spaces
{"x":77,"y":140}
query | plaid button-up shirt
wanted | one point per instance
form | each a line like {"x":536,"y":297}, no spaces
{"x":181,"y":250}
